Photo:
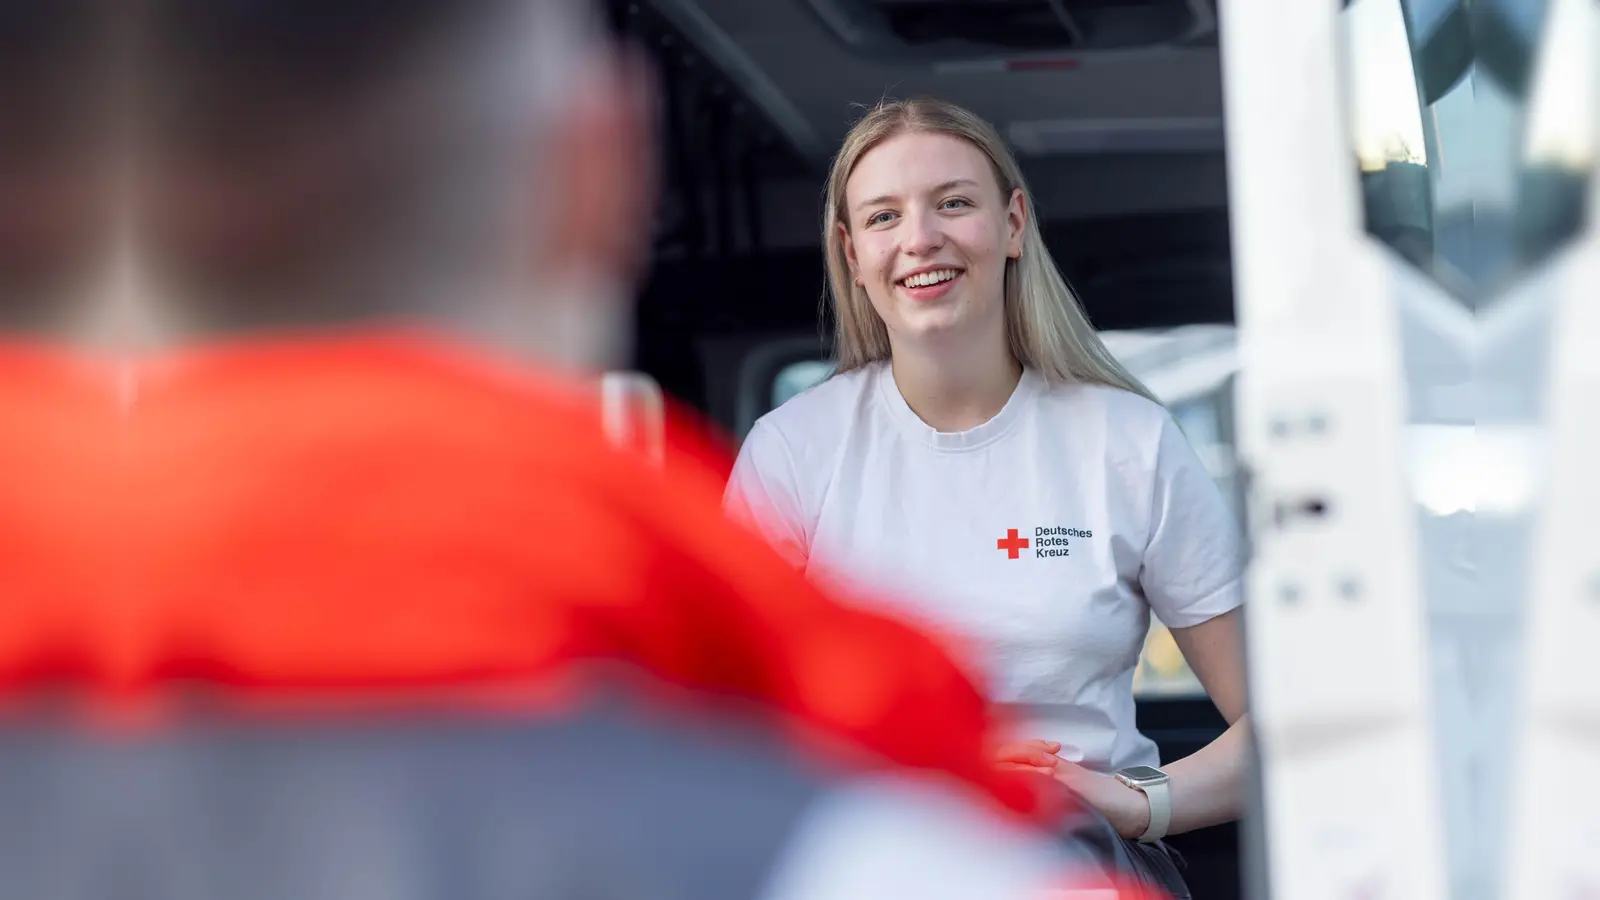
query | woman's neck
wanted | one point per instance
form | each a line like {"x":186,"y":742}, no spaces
{"x":952,"y":392}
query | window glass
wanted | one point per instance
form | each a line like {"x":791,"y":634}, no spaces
{"x":797,"y":377}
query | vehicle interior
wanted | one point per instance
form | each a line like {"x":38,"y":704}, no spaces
{"x":1115,"y":111}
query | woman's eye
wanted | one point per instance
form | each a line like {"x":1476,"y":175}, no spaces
{"x":879,"y":218}
{"x":954,"y":203}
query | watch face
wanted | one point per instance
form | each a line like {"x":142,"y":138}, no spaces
{"x":1142,"y":775}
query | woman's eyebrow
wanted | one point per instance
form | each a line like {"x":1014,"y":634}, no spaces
{"x":936,"y":189}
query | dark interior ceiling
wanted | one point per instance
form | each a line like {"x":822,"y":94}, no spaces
{"x":941,"y":30}
{"x":805,"y":68}
{"x":758,"y":93}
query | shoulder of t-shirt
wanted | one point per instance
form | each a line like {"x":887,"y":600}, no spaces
{"x":1125,"y":413}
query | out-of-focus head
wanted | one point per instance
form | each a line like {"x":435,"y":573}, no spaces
{"x":289,"y":164}
{"x":922,"y":186}
{"x":55,"y":158}
{"x":484,"y":163}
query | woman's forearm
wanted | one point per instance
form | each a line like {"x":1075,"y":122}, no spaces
{"x":1205,"y":788}
{"x":1208,"y":786}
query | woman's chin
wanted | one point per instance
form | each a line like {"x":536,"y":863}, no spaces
{"x":935,"y":325}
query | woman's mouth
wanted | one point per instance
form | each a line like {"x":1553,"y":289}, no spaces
{"x":930,"y":285}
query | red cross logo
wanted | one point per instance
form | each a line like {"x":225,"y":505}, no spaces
{"x":1011,"y":543}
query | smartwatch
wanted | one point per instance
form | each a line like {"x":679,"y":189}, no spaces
{"x":1153,"y":782}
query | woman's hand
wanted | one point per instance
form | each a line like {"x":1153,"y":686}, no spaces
{"x":1127,"y":809}
{"x":1029,"y":756}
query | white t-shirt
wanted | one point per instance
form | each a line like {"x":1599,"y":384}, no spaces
{"x":1042,"y":539}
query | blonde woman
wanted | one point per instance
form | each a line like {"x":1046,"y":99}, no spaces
{"x":980,"y":452}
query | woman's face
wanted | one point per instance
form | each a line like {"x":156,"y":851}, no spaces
{"x":928,"y":235}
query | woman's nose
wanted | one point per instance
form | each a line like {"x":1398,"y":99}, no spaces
{"x":922,"y":234}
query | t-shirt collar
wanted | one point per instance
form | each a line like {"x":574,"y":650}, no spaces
{"x":970,"y":439}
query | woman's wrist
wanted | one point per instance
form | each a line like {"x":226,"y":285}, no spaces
{"x":1126,"y":809}
{"x":1131,"y":817}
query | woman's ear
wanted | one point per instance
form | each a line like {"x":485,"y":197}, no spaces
{"x":843,"y":236}
{"x":1016,"y":223}
{"x":603,"y":161}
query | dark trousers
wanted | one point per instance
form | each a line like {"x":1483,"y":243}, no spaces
{"x":1154,"y":865}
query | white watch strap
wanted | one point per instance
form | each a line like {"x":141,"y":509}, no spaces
{"x":1160,"y":813}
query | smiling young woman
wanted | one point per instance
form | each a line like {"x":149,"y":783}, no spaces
{"x":979,"y":454}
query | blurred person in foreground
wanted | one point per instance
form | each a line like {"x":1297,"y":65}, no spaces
{"x":396,"y":619}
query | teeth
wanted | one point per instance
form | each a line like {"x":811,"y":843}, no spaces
{"x":929,"y":278}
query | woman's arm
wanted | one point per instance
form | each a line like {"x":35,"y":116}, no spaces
{"x":764,"y":493}
{"x":1207,"y":786}
{"x":1191,"y":576}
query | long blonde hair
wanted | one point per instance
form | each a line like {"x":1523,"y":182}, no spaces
{"x":1045,"y":325}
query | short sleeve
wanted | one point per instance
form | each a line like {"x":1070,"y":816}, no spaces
{"x":764,"y":493}
{"x":1193,"y":567}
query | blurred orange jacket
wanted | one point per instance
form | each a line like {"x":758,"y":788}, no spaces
{"x":394,"y":512}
